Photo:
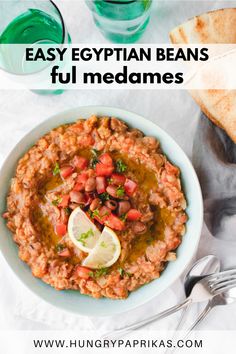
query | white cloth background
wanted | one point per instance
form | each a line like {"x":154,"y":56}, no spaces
{"x":174,"y":111}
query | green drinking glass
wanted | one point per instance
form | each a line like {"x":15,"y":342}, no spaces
{"x":121,"y":21}
{"x":32,"y":23}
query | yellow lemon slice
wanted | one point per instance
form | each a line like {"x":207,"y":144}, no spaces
{"x":106,"y":252}
{"x":82,"y":231}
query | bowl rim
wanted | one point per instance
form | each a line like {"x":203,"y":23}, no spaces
{"x":103,"y":110}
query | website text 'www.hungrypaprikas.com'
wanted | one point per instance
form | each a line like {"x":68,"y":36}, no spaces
{"x":117,"y":198}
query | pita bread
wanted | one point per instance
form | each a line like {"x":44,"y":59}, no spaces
{"x":216,"y":27}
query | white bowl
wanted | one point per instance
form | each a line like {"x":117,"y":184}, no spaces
{"x":72,"y":300}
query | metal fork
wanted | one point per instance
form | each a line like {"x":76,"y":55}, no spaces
{"x":204,"y":289}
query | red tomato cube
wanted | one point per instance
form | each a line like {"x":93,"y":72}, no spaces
{"x":133,"y":214}
{"x":130,"y":187}
{"x":117,"y":179}
{"x":65,"y":201}
{"x":103,"y":170}
{"x":66,"y":171}
{"x":80,"y":162}
{"x":83,"y":272}
{"x":106,"y":159}
{"x":61,"y":229}
{"x":114,"y":222}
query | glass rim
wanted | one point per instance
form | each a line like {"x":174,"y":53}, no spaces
{"x":64,"y":31}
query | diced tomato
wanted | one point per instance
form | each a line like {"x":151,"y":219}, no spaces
{"x":106,"y":159}
{"x":78,"y":187}
{"x":104,"y":213}
{"x":101,"y":184}
{"x":103,"y":170}
{"x":83,"y":272}
{"x":133,"y":214}
{"x":64,"y":253}
{"x":130,"y":187}
{"x":80,"y":162}
{"x":66,"y":171}
{"x":117,"y":179}
{"x":61,"y":229}
{"x":65,"y":201}
{"x":114,"y":222}
{"x":82,"y":178}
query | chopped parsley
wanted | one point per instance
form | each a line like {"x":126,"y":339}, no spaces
{"x":56,"y":169}
{"x":104,"y":196}
{"x":120,"y":192}
{"x":84,"y":236}
{"x":59,"y":247}
{"x":56,"y":201}
{"x":67,"y":211}
{"x":94,"y":159}
{"x":94,"y":213}
{"x":120,"y":166}
{"x":100,"y":272}
{"x":123,"y":217}
{"x":103,"y":244}
{"x":123,"y":272}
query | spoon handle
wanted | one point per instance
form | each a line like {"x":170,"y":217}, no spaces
{"x":120,"y":332}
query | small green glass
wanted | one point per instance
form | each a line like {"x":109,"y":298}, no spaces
{"x":121,"y":21}
{"x":29,"y":22}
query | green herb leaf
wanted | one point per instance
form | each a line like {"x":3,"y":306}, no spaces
{"x":95,"y":152}
{"x":103,"y":244}
{"x":59,"y":247}
{"x":94,"y":159}
{"x":56,"y":201}
{"x":56,"y":169}
{"x":104,"y":196}
{"x":100,"y":272}
{"x":123,"y":272}
{"x":67,"y":211}
{"x":123,"y":217}
{"x":84,"y":236}
{"x":120,"y":192}
{"x":120,"y":166}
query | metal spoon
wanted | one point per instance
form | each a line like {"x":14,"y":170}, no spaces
{"x":201,"y":268}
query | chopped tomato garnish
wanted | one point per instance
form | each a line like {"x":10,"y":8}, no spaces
{"x":83,"y":272}
{"x":114,"y":222}
{"x":103,"y":170}
{"x":133,"y":214}
{"x":106,"y":159}
{"x":117,"y":179}
{"x":66,"y":171}
{"x":61,"y":229}
{"x":82,"y":178}
{"x":101,"y":184}
{"x":64,"y":201}
{"x":64,"y":253}
{"x":102,"y":214}
{"x":80,"y":162}
{"x":79,"y":187}
{"x":130,"y":187}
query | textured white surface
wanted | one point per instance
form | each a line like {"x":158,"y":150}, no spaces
{"x":173,"y":111}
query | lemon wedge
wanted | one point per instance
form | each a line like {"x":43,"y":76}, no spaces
{"x":106,"y":251}
{"x":82,"y":231}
